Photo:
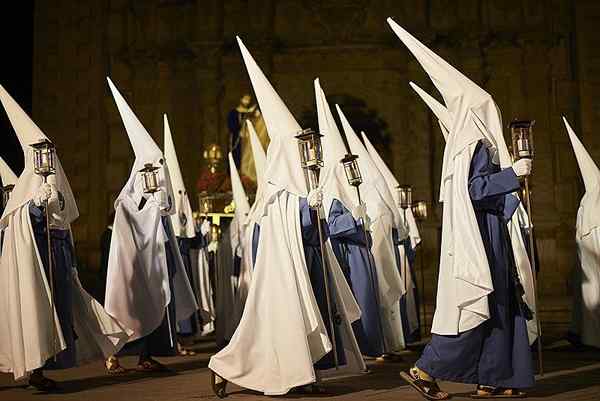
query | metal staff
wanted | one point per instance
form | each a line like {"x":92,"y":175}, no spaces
{"x":405,"y":201}
{"x":420,"y":211}
{"x":311,"y":160}
{"x":522,"y":144}
{"x":43,"y":165}
{"x":151,"y":185}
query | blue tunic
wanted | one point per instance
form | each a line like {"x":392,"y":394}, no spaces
{"x":352,"y":250}
{"x":312,"y":253}
{"x":189,"y":326}
{"x":495,"y":353}
{"x":63,"y":262}
{"x":255,"y":238}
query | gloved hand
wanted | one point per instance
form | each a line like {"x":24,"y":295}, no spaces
{"x":42,"y":195}
{"x":359,"y":211}
{"x":205,"y":227}
{"x":315,"y":198}
{"x":522,"y":167}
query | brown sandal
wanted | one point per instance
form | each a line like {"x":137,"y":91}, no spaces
{"x":152,"y":366}
{"x":220,"y":389}
{"x":113,"y":367}
{"x":428,"y":389}
{"x":497,"y":392}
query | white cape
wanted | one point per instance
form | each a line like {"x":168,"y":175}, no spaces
{"x":281,"y":333}
{"x":28,"y":328}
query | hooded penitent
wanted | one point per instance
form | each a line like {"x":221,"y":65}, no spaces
{"x":7,"y":176}
{"x":31,"y":332}
{"x":181,"y":219}
{"x":517,"y":241}
{"x":385,"y":218}
{"x":237,"y":234}
{"x":465,"y":279}
{"x":137,"y":289}
{"x":586,"y":316}
{"x":281,"y":333}
{"x":412,"y":314}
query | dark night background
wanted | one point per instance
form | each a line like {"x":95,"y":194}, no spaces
{"x":16,"y":71}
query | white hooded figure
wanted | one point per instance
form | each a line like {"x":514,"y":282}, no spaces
{"x":281,"y":334}
{"x":184,"y":229}
{"x":586,"y":315}
{"x":40,"y":331}
{"x":482,"y":308}
{"x":9,"y":179}
{"x":387,"y":231}
{"x":147,"y":288}
{"x":252,"y":223}
{"x":407,"y":249}
{"x":518,"y":223}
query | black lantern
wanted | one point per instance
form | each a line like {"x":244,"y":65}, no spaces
{"x":150,"y":178}
{"x":43,"y":158}
{"x":6,"y":190}
{"x":405,"y":196}
{"x":352,"y":170}
{"x":419,"y":210}
{"x":521,"y":132}
{"x":311,"y":151}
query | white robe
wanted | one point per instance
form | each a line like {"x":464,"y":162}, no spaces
{"x":588,"y":252}
{"x":137,"y":283}
{"x":281,"y":333}
{"x":27,"y":333}
{"x":203,"y":289}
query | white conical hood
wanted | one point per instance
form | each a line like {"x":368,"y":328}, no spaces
{"x":475,"y":116}
{"x":392,"y":182}
{"x":334,"y":182}
{"x":28,"y":182}
{"x":146,"y":152}
{"x":590,"y":203}
{"x":242,"y":207}
{"x":440,"y":111}
{"x":369,"y":171}
{"x":183,"y":223}
{"x":6,"y":174}
{"x":283,"y":160}
{"x":260,"y":164}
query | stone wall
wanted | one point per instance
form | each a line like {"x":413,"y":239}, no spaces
{"x":539,"y":59}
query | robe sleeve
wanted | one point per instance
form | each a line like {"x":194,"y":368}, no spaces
{"x":491,"y":190}
{"x":342,"y":224}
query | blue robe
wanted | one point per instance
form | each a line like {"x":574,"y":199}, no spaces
{"x":255,"y":238}
{"x":495,"y":353}
{"x":63,"y":262}
{"x":312,"y":253}
{"x":352,"y":251}
{"x":189,"y":326}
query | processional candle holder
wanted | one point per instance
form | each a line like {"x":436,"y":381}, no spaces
{"x":404,"y":196}
{"x":6,"y":190}
{"x":150,"y":180}
{"x":352,"y":170}
{"x":206,"y":203}
{"x":44,"y":166}
{"x":311,"y":155}
{"x":521,"y":132}
{"x":311,"y":160}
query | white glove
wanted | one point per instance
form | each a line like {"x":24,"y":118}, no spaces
{"x":315,"y":198}
{"x":522,"y":167}
{"x":360,"y":211}
{"x":204,"y":227}
{"x":42,"y":195}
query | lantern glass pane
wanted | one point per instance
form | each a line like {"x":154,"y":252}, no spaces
{"x":353,"y":173}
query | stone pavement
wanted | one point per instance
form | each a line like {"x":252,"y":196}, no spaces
{"x":572,"y":375}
